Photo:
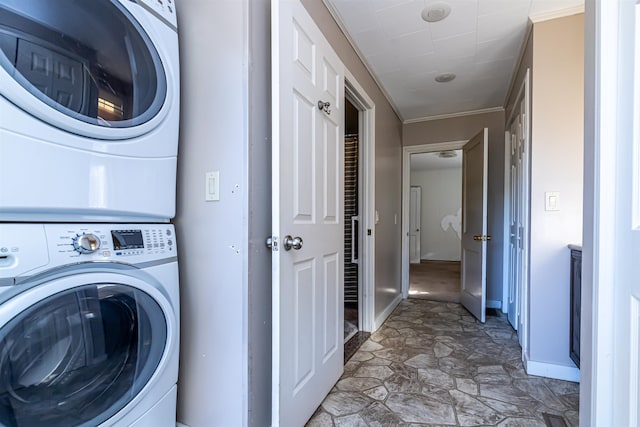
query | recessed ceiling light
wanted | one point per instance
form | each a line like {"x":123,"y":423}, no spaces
{"x":445,"y":77}
{"x":435,"y":12}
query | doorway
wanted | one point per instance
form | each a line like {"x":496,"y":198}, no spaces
{"x":359,"y":211}
{"x":351,"y":221}
{"x":435,"y":216}
{"x":425,"y":167}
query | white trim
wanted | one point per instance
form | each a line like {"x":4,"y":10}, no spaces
{"x":336,"y":17}
{"x":181,"y":425}
{"x":366,"y":290}
{"x":554,"y":14}
{"x":599,"y":272}
{"x":406,"y":183}
{"x":386,"y":312}
{"x":506,"y":213}
{"x":551,"y":370}
{"x":453,"y":115}
{"x":523,"y":293}
{"x":497,"y":304}
{"x":521,"y":52}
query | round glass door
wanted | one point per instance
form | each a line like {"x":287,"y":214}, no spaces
{"x":90,"y":60}
{"x":79,"y":356}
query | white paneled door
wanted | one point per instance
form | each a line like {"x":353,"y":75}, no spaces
{"x":415,"y":211}
{"x":474,"y":224}
{"x":308,"y":225}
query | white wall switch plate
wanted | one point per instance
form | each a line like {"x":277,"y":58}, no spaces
{"x":552,"y":201}
{"x":212,"y":186}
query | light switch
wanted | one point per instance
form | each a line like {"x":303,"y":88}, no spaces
{"x":212,"y":186}
{"x":552,"y":201}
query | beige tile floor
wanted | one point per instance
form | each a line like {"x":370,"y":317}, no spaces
{"x":433,"y":364}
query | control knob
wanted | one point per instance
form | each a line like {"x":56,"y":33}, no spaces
{"x":86,"y":243}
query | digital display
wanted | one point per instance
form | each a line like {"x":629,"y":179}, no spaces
{"x":127,"y":239}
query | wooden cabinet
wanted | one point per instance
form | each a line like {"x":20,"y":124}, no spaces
{"x":574,"y":325}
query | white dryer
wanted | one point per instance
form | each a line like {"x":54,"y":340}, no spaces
{"x":89,"y":325}
{"x":89,"y":110}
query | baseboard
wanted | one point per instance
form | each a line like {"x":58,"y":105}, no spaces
{"x":181,"y":425}
{"x":551,"y":370}
{"x":494,"y":304}
{"x":386,"y":312}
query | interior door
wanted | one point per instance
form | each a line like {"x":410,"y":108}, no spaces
{"x":415,"y":204}
{"x":626,"y":286}
{"x":517,"y":214}
{"x":474,"y":224}
{"x":308,"y":223}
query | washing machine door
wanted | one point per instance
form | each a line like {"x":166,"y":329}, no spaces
{"x":87,"y":67}
{"x":75,"y":351}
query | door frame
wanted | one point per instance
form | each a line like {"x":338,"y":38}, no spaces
{"x":407,"y":151}
{"x":603,"y":41}
{"x":523,"y":293}
{"x":418,"y":190}
{"x":354,"y":92}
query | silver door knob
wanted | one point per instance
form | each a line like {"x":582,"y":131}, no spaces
{"x":289,"y":243}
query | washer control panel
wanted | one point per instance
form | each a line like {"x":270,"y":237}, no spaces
{"x":25,"y":249}
{"x":113,"y":241}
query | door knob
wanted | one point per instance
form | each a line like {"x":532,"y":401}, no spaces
{"x":289,"y":243}
{"x":482,"y":238}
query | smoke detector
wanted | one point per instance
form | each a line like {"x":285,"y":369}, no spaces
{"x":445,"y":77}
{"x":435,"y":12}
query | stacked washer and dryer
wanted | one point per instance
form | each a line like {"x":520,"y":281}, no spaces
{"x":89,"y":299}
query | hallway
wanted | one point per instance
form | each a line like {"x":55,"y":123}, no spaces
{"x":432,"y":363}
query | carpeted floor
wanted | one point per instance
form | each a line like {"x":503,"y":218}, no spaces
{"x":435,"y":280}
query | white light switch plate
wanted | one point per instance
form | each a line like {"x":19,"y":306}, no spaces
{"x":212,"y":186}
{"x":552,"y":201}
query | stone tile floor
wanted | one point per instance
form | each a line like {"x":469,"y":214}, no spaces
{"x":433,"y":364}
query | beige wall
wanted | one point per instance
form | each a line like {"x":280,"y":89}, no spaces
{"x":557,"y":142}
{"x":388,"y":177}
{"x":461,"y":129}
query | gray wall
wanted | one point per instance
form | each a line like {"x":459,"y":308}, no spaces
{"x":388,"y":176}
{"x":225,"y":270}
{"x":461,"y":129}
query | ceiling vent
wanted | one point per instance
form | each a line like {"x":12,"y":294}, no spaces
{"x":448,"y":154}
{"x":435,"y":12}
{"x":445,"y":78}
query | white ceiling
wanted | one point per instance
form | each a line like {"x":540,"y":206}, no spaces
{"x":431,"y":161}
{"x":479,"y":41}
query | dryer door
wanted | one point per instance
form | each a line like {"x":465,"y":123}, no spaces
{"x":77,"y":350}
{"x":82,"y":66}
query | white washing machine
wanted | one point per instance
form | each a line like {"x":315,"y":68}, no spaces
{"x":89,"y":325}
{"x":89,"y":110}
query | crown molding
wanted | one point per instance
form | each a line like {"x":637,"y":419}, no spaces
{"x":454,"y":115}
{"x":336,"y":17}
{"x":554,"y":14}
